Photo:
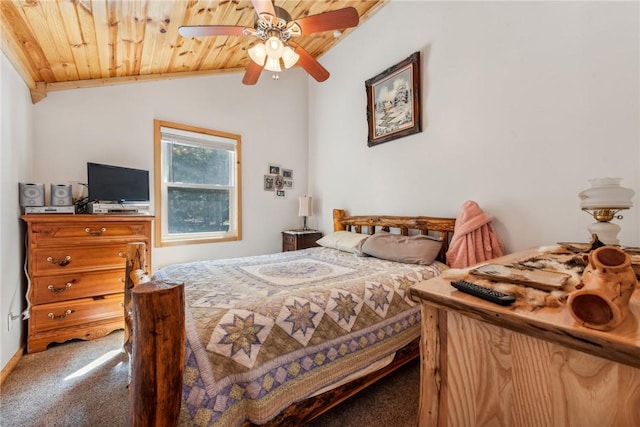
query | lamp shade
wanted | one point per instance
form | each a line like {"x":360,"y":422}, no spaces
{"x":606,"y":193}
{"x":274,"y":47}
{"x":273,"y":64}
{"x":258,"y":54}
{"x":289,"y":57}
{"x":304,"y":206}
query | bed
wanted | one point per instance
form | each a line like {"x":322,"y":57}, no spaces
{"x":279,"y":339}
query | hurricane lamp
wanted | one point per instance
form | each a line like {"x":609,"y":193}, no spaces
{"x":603,"y":201}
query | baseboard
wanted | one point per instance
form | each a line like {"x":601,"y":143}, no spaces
{"x":11,"y":364}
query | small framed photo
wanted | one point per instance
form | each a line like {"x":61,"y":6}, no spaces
{"x":281,"y":194}
{"x":288,"y":184}
{"x":274,"y":169}
{"x":393,"y":102}
{"x":278,"y":182}
{"x":287,"y":173}
{"x":269,"y":183}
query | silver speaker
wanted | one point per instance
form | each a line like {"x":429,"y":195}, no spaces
{"x":31,"y":194}
{"x":61,"y":195}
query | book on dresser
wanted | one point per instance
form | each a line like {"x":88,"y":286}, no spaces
{"x":75,"y":274}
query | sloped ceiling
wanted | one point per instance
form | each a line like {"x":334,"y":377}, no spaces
{"x":66,"y":44}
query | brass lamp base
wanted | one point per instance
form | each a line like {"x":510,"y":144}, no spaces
{"x":604,"y":214}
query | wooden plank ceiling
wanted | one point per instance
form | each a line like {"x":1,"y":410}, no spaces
{"x":65,"y":44}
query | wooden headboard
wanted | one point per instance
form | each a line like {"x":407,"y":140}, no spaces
{"x":442,"y":227}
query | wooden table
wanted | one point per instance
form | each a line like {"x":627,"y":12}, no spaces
{"x":487,"y":365}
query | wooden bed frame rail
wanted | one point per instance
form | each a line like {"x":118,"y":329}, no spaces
{"x":155,"y":334}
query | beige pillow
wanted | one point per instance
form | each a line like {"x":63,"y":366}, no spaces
{"x":342,"y":240}
{"x":418,"y":249}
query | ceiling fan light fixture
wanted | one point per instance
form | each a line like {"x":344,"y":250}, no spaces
{"x":273,"y":64}
{"x":274,"y":47}
{"x":289,"y":57}
{"x":258,"y":54}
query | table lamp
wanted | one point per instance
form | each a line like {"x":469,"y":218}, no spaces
{"x":304,"y":209}
{"x":603,"y":201}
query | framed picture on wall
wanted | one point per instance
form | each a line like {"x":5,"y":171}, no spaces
{"x":278,"y":182}
{"x":274,"y":169}
{"x":269,"y":183}
{"x":393,"y":102}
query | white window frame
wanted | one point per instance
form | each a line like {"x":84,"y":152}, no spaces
{"x":175,"y":132}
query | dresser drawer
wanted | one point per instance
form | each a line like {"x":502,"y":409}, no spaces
{"x":75,"y":312}
{"x":47,"y":233}
{"x":65,"y":259}
{"x":288,"y":238}
{"x":45,"y":289}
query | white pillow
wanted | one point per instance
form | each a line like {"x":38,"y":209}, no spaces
{"x":342,"y":240}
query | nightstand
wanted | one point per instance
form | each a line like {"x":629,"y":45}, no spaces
{"x":293,"y":240}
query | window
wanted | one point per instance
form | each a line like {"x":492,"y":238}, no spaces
{"x":197,"y":184}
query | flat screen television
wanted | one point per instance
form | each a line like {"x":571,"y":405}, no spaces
{"x":117,"y":184}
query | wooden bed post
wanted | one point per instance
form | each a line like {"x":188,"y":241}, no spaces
{"x":338,"y":215}
{"x":158,"y":354}
{"x":135,"y":273}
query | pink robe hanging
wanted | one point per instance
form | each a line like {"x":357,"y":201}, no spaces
{"x":474,"y":239}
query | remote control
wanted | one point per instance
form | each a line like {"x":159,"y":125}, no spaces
{"x":484,"y":293}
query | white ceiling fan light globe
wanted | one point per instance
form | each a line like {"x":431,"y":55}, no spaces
{"x":274,"y":47}
{"x":289,"y":57}
{"x":258,"y":54}
{"x":273,"y":64}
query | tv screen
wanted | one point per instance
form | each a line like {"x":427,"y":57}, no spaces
{"x":117,"y":184}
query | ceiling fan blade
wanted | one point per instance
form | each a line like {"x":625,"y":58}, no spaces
{"x":252,"y":74}
{"x":264,"y":6}
{"x":309,"y":63}
{"x":327,"y":21}
{"x":210,"y":30}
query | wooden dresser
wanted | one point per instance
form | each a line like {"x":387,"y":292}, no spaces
{"x":483,"y":364}
{"x":75,"y":270}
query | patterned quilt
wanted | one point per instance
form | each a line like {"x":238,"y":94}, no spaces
{"x":266,"y":331}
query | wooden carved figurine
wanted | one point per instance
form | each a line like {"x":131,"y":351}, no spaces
{"x":602,"y":299}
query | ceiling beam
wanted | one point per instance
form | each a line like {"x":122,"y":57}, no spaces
{"x":40,"y":90}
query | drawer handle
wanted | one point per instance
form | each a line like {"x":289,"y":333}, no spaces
{"x":61,"y":262}
{"x":121,"y":254}
{"x":95,"y":233}
{"x":60,"y":316}
{"x":54,"y":289}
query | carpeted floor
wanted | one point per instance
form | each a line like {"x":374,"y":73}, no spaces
{"x":83,"y":383}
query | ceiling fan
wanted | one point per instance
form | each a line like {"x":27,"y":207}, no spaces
{"x":274,"y":29}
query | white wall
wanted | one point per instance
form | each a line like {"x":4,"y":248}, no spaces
{"x":523,"y":102}
{"x":16,"y":122}
{"x":114,"y":125}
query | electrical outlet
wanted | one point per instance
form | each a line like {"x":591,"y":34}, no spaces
{"x":10,"y":320}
